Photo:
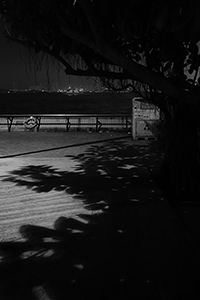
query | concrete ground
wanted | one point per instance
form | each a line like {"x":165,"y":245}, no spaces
{"x":28,"y":158}
{"x":117,"y":235}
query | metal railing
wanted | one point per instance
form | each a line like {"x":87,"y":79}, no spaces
{"x":96,"y":121}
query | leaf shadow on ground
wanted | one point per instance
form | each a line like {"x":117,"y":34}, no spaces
{"x":105,"y":174}
{"x":91,"y":256}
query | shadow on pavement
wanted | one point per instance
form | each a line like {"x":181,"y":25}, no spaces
{"x":97,"y":256}
{"x":106,"y":174}
{"x":93,"y":257}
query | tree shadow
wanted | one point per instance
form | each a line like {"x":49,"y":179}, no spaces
{"x":104,"y":174}
{"x":89,"y":256}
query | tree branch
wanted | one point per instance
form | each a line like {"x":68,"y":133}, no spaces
{"x":136,"y":70}
{"x":93,"y":21}
{"x":152,"y":78}
{"x":43,"y":49}
{"x":96,"y":73}
{"x":90,"y":72}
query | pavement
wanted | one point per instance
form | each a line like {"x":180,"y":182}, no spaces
{"x":90,"y":201}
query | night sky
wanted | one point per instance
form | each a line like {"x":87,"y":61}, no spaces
{"x":15,"y":72}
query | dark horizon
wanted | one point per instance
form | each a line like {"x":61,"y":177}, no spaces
{"x":17,"y":70}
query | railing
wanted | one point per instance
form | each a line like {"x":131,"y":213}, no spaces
{"x":67,"y":120}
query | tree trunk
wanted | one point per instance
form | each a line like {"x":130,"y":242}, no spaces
{"x":179,"y":174}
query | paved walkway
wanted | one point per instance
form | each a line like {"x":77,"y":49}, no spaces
{"x":119,"y":238}
{"x":32,"y":168}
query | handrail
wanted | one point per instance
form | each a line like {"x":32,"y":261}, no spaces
{"x":64,"y":115}
{"x":98,"y":124}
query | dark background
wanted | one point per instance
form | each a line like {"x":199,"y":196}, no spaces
{"x":17,"y":71}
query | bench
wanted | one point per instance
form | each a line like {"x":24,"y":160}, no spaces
{"x":69,"y":120}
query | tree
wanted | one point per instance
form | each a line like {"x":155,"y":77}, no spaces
{"x":154,"y":42}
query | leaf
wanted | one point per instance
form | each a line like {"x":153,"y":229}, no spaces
{"x":167,"y":66}
{"x":191,"y":81}
{"x":137,"y":57}
{"x":193,"y":48}
{"x":191,"y":70}
{"x":195,"y":65}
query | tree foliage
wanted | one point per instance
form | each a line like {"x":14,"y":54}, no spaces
{"x":122,"y":42}
{"x":146,"y":45}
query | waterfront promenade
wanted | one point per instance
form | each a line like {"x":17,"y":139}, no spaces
{"x":28,"y":158}
{"x":131,"y":245}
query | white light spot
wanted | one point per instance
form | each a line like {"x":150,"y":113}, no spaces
{"x":102,"y":172}
{"x":128,"y":167}
{"x":79,"y":267}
